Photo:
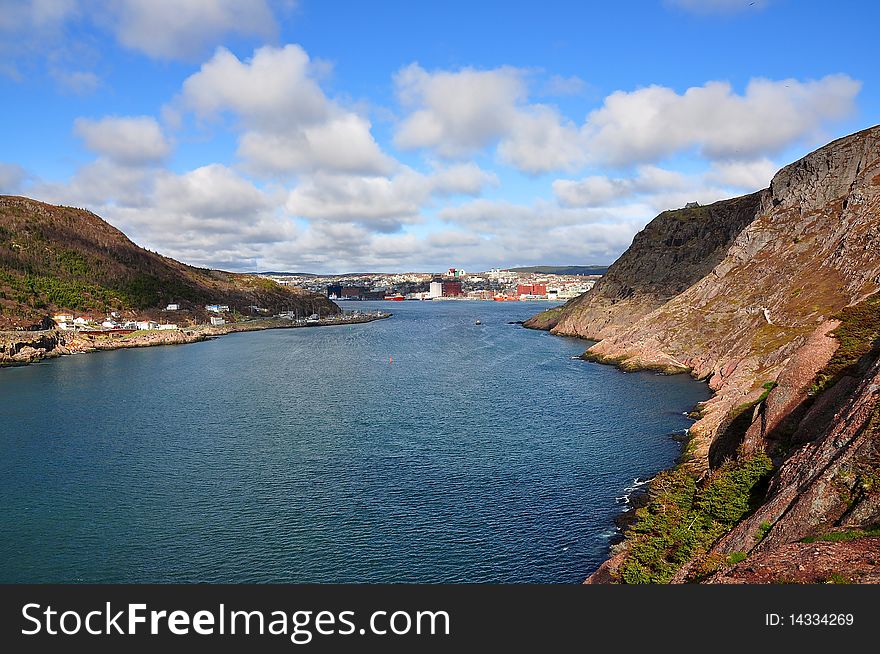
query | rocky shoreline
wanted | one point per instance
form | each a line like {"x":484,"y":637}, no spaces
{"x":773,"y":299}
{"x":20,"y":348}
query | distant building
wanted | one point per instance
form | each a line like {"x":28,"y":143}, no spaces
{"x":692,"y":205}
{"x":170,"y":327}
{"x":436,"y":289}
{"x":353,"y":293}
{"x":109,"y":324}
{"x":147,"y":325}
{"x":62,"y":317}
{"x":334,"y":291}
{"x":531,"y":289}
{"x":216,"y":321}
{"x":451,"y":289}
{"x":172,"y":307}
{"x":217,"y":308}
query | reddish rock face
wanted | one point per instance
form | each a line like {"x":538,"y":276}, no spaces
{"x":855,"y":562}
{"x":742,"y":294}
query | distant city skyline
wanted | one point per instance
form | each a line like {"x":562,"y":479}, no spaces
{"x":293,"y":135}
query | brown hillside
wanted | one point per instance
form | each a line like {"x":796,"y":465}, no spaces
{"x":65,"y":259}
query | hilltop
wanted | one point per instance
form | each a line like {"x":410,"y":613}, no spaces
{"x":772,"y":299}
{"x":55,"y":258}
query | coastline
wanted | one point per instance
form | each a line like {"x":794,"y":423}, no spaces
{"x":23,"y":348}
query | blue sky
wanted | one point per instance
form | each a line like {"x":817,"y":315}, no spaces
{"x":339,"y":136}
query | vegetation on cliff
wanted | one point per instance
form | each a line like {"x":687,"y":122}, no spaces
{"x":684,"y":517}
{"x":56,"y":259}
{"x":857,"y":335}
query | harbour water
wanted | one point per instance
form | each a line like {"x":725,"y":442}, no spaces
{"x":422,"y":448}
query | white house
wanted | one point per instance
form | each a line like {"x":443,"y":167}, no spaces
{"x":147,"y":325}
{"x":62,"y":317}
{"x":215,"y":321}
{"x":109,"y":324}
{"x":169,"y":326}
{"x":172,"y":307}
{"x":217,"y":308}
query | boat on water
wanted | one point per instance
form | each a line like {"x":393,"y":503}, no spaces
{"x":395,"y":298}
{"x":505,"y":298}
{"x":478,"y":322}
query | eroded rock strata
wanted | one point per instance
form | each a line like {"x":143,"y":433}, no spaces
{"x":750,"y":295}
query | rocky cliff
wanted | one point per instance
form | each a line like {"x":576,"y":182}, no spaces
{"x":759,"y":296}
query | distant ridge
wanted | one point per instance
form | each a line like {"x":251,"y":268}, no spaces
{"x":562,"y":270}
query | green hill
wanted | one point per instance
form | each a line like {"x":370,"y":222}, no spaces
{"x":55,"y":259}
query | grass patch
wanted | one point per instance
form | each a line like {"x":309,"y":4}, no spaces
{"x":683,"y":519}
{"x":857,"y":334}
{"x":736,"y":557}
{"x":763,"y":530}
{"x":842,"y":536}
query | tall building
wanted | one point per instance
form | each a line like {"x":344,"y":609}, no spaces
{"x":451,"y":289}
{"x":436,"y":289}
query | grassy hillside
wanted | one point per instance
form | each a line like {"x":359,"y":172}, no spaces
{"x":64,"y":259}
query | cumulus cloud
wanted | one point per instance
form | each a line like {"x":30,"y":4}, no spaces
{"x":506,"y":231}
{"x":457,"y":113}
{"x":706,"y":7}
{"x":540,"y":140}
{"x":169,"y":29}
{"x":382,"y":203}
{"x":127,"y":140}
{"x":600,"y":190}
{"x":653,"y":189}
{"x":655,"y":122}
{"x":288,"y":124}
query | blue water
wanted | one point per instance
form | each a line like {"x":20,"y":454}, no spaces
{"x":481,"y":454}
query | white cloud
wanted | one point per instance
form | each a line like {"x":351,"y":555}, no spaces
{"x":11,"y":178}
{"x":272,"y":89}
{"x":211,"y":191}
{"x":706,"y":7}
{"x":655,"y":122}
{"x":170,"y":29}
{"x":746,"y":175}
{"x":289,"y":125}
{"x":601,"y":191}
{"x":541,"y":140}
{"x":507,"y":231}
{"x":457,"y":113}
{"x":343,"y":143}
{"x":382,"y":203}
{"x":128,"y":140}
